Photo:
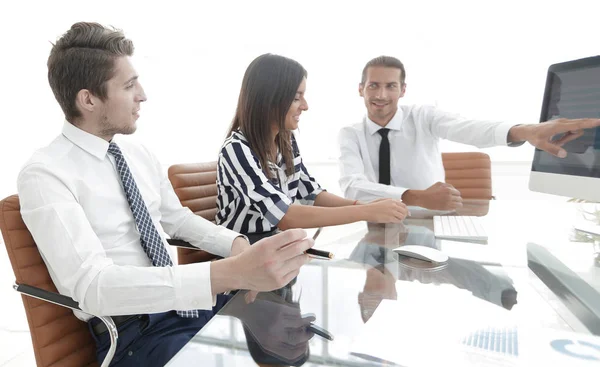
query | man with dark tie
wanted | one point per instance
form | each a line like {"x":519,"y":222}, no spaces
{"x":101,"y":207}
{"x":394,"y":151}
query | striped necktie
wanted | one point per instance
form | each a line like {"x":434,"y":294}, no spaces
{"x":149,"y":237}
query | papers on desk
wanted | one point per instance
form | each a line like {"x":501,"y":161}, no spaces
{"x":442,"y":325}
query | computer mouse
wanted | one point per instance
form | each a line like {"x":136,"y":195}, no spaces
{"x":422,"y":253}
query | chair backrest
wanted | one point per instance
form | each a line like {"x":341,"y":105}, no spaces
{"x":196,"y":187}
{"x":470,"y":173}
{"x":59,"y":338}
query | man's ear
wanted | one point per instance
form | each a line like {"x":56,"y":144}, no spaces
{"x":403,"y":90}
{"x":360,"y":89}
{"x":86,"y":101}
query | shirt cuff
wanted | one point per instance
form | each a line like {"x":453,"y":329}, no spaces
{"x":513,"y":144}
{"x":225,"y":239}
{"x":501,"y":133}
{"x":193,"y":289}
{"x":395,"y":192}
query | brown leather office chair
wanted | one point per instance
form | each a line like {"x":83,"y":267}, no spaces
{"x":470,"y":173}
{"x":59,"y":338}
{"x":196,"y":187}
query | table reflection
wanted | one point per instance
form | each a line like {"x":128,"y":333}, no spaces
{"x":343,"y":294}
{"x":385,"y":267}
{"x":276,"y":332}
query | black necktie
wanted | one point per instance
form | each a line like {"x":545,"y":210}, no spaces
{"x":384,"y":157}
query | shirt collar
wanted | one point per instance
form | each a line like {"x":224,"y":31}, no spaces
{"x":394,"y":124}
{"x":90,"y":143}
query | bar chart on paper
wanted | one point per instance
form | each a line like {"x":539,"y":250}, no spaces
{"x":504,"y":341}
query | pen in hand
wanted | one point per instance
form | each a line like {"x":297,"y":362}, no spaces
{"x":317,"y":233}
{"x":319,"y":253}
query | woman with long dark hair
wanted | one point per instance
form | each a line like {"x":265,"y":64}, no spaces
{"x":260,"y":170}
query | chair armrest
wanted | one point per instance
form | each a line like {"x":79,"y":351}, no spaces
{"x":181,"y":243}
{"x":47,"y":296}
{"x":59,"y":299}
{"x":189,"y":254}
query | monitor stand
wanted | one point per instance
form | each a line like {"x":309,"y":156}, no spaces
{"x":587,"y":227}
{"x":588,"y":220}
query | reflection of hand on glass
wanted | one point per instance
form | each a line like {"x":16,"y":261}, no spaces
{"x":375,"y":248}
{"x":380,"y":284}
{"x":275,"y":330}
{"x":250,"y":296}
{"x":474,"y":207}
{"x":386,"y":235}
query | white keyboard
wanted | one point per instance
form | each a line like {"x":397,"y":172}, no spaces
{"x":459,"y":228}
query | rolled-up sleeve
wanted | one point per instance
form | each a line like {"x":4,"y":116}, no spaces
{"x":241,"y":171}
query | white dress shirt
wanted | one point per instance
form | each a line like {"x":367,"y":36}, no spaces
{"x":415,"y":157}
{"x":73,"y":203}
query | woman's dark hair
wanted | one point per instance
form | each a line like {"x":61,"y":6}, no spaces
{"x":268,"y":90}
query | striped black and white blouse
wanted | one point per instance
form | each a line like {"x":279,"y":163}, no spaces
{"x":249,"y":202}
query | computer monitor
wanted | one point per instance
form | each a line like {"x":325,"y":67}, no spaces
{"x":572,"y":91}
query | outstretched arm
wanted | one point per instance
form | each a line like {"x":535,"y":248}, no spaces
{"x":305,"y":216}
{"x":540,"y":135}
{"x":331,"y":200}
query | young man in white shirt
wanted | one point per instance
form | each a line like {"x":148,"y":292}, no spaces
{"x":100,"y":208}
{"x":394,"y":152}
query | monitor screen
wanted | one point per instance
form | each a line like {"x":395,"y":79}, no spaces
{"x":573,"y":91}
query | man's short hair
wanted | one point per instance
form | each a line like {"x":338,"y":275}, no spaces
{"x":84,"y":58}
{"x":387,"y":62}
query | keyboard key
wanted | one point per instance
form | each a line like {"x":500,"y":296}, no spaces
{"x":459,"y":228}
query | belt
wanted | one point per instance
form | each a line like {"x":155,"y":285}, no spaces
{"x":100,"y":328}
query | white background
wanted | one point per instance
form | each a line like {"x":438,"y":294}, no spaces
{"x":482,"y":59}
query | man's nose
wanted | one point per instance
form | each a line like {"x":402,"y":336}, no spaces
{"x":141,"y":95}
{"x":381,"y":93}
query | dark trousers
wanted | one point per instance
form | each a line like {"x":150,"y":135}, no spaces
{"x":152,"y":340}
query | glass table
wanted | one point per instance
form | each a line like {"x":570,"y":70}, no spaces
{"x":508,"y":272}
